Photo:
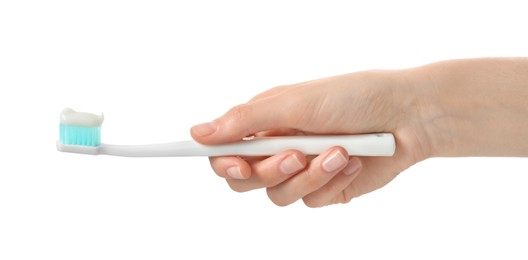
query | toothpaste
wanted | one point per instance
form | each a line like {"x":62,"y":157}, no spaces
{"x":69,"y":116}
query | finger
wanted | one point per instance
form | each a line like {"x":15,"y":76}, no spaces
{"x":376,"y":172}
{"x":327,"y":194}
{"x":230,"y":167}
{"x":279,"y":111}
{"x":320,"y":171}
{"x":271,"y":171}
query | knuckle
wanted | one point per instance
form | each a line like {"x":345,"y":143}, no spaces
{"x":269,"y":180}
{"x":216,"y":164}
{"x":242,"y":115}
{"x":277,"y":200}
{"x":312,"y":183}
{"x":237,"y":186}
{"x":241,"y":112}
{"x":219,"y":172}
{"x":346,"y":196}
{"x":312,"y":202}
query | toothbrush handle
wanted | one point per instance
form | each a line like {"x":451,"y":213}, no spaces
{"x":359,"y":145}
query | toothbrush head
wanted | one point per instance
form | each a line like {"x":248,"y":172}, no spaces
{"x":80,"y":132}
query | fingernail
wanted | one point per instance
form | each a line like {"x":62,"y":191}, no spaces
{"x":290,"y":164}
{"x":334,"y":161}
{"x":354,"y":164}
{"x":235,"y":172}
{"x":205,"y":129}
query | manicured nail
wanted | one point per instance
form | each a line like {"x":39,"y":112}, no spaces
{"x":353,"y":166}
{"x":235,"y":172}
{"x":334,"y":161}
{"x":290,"y":164}
{"x":205,"y":129}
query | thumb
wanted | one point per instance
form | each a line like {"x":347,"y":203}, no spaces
{"x":243,"y":120}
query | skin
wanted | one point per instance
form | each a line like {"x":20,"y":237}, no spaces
{"x":474,"y":107}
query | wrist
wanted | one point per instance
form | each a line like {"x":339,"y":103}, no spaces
{"x":434,"y":116}
{"x":474,"y":107}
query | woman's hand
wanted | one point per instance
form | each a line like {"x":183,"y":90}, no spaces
{"x":366,"y":102}
{"x":431,"y":111}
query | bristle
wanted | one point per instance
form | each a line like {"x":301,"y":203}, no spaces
{"x":80,"y":135}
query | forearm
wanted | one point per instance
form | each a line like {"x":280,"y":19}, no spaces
{"x":476,"y":107}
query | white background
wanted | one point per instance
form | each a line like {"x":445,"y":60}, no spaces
{"x":155,"y":68}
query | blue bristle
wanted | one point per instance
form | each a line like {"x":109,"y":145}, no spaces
{"x":80,"y":135}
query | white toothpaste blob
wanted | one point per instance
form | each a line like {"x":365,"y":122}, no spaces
{"x":69,"y":116}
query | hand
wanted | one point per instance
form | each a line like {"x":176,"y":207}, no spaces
{"x":457,"y":108}
{"x":368,"y":102}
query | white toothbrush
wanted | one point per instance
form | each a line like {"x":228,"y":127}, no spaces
{"x":80,"y":133}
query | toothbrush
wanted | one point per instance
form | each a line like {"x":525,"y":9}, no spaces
{"x":80,"y":132}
